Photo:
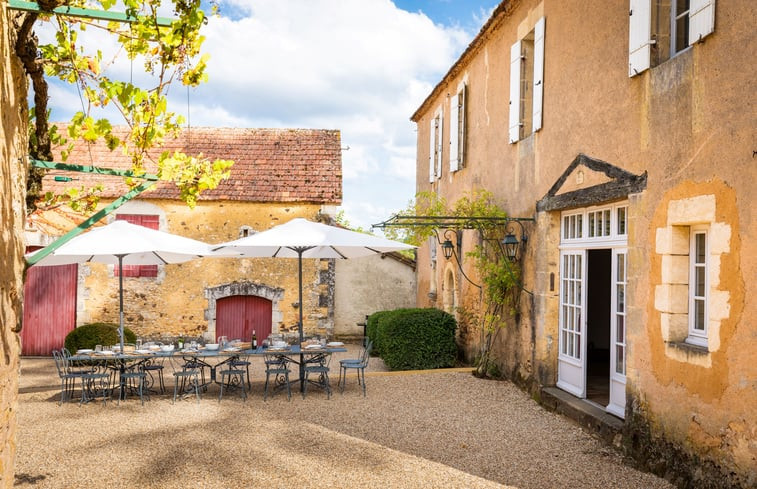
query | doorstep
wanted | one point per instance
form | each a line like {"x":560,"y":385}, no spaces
{"x":588,"y":415}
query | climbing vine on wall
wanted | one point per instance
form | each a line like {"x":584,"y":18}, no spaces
{"x":168,"y":54}
{"x":500,"y":279}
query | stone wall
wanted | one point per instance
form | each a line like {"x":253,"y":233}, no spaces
{"x":367,"y":285}
{"x":13,"y":150}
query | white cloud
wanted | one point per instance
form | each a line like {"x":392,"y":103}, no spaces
{"x":362,"y":67}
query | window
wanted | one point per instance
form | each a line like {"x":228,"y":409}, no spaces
{"x":148,"y":221}
{"x":457,"y":129}
{"x":435,"y":146}
{"x":596,"y":223}
{"x":660,"y":29}
{"x":698,"y":283}
{"x":527,"y":83}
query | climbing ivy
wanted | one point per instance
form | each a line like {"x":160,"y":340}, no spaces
{"x":500,"y":279}
{"x":168,"y":54}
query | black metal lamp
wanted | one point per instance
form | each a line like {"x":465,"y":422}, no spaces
{"x":511,"y":244}
{"x":447,"y":249}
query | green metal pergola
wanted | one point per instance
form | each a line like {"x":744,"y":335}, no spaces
{"x":84,"y":13}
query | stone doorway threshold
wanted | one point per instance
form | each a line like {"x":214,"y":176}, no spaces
{"x":587,"y":414}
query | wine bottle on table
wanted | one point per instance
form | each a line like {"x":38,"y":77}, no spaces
{"x":254,"y":339}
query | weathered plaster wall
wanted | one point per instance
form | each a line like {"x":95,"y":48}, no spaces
{"x":366,"y":285}
{"x":13,"y":150}
{"x":689,"y":123}
{"x":176,"y":303}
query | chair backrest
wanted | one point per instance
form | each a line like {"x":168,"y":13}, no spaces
{"x":366,"y":356}
{"x":60,"y":363}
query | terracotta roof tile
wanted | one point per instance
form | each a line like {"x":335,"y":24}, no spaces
{"x":271,"y":165}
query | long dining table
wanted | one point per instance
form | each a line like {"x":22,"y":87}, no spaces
{"x":207,"y":358}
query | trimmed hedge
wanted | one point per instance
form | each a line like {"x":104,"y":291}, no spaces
{"x":89,"y":335}
{"x":414,"y":339}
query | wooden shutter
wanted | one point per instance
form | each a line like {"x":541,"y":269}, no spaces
{"x":431,"y":148}
{"x":148,"y":221}
{"x":462,"y":133}
{"x":538,"y":73}
{"x":515,"y":63}
{"x":440,"y":138}
{"x":454,"y":102}
{"x":701,"y":19}
{"x":639,"y":36}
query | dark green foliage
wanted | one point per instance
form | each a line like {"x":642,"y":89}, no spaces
{"x":89,"y":335}
{"x":414,"y":339}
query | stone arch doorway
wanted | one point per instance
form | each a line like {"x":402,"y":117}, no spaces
{"x":249,"y":302}
{"x":449,"y":290}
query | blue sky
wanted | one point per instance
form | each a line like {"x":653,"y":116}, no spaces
{"x":360,"y":66}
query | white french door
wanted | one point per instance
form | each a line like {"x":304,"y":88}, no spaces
{"x":572,"y":318}
{"x":617,"y":403}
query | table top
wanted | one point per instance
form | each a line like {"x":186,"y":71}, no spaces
{"x":202,"y":352}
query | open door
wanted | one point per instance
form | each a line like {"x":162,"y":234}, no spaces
{"x":617,"y":403}
{"x":572,"y":358}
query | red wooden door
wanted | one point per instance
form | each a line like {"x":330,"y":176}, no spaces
{"x":237,"y":316}
{"x":49,"y":308}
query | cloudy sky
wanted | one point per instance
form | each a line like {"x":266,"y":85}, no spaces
{"x":360,"y":66}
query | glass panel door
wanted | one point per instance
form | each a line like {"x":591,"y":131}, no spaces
{"x":618,"y":334}
{"x":572,"y":358}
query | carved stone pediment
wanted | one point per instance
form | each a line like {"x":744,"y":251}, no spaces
{"x":588,"y":181}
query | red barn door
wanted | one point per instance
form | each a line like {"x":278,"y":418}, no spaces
{"x":49,"y":308}
{"x":237,"y":316}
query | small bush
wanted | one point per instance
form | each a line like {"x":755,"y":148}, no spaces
{"x":89,"y":335}
{"x":415,"y":339}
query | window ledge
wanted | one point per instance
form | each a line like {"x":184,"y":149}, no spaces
{"x":689,"y":348}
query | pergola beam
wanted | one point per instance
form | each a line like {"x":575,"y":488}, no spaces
{"x":84,"y":13}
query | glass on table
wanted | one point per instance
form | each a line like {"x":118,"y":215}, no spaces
{"x":98,"y":348}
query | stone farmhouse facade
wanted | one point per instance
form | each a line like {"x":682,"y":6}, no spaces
{"x":626,"y":131}
{"x":279,"y":174}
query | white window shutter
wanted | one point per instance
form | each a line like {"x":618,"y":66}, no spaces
{"x":701,"y":19}
{"x":453,"y":128}
{"x":538,"y":73}
{"x":639,"y":36}
{"x":440,"y":153}
{"x":431,"y":148}
{"x":462,"y":133}
{"x":515,"y":61}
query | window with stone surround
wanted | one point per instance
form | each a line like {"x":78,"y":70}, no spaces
{"x":688,"y":299}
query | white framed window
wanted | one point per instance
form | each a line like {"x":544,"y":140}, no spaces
{"x":595,"y":223}
{"x":457,"y":132}
{"x":660,"y":29}
{"x":436,"y":126}
{"x":527,"y":83}
{"x":698,"y":285}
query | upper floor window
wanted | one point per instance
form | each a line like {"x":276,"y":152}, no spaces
{"x":435,"y":145}
{"x":457,"y":132}
{"x":148,"y":221}
{"x":527,"y":83}
{"x":659,"y":29}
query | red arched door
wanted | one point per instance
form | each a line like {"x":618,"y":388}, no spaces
{"x":237,"y":316}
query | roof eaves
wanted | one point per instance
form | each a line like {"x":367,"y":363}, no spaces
{"x":499,"y":14}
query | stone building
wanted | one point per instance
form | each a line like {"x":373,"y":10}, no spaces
{"x":279,"y":174}
{"x":627,"y":133}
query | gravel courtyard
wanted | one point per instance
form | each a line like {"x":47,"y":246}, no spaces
{"x":437,"y":430}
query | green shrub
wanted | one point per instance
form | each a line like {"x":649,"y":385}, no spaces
{"x":415,"y":339}
{"x":374,"y":327}
{"x":89,"y":335}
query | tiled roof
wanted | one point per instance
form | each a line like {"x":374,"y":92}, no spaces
{"x":270,"y":165}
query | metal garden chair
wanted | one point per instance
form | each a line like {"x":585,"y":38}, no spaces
{"x":358,"y":364}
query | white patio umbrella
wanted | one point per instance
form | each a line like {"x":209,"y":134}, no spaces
{"x":301,"y":238}
{"x":122,"y":243}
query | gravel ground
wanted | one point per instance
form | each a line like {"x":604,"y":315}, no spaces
{"x":439,"y":430}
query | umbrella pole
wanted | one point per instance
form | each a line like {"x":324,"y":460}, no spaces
{"x":121,"y":300}
{"x":302,"y":356}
